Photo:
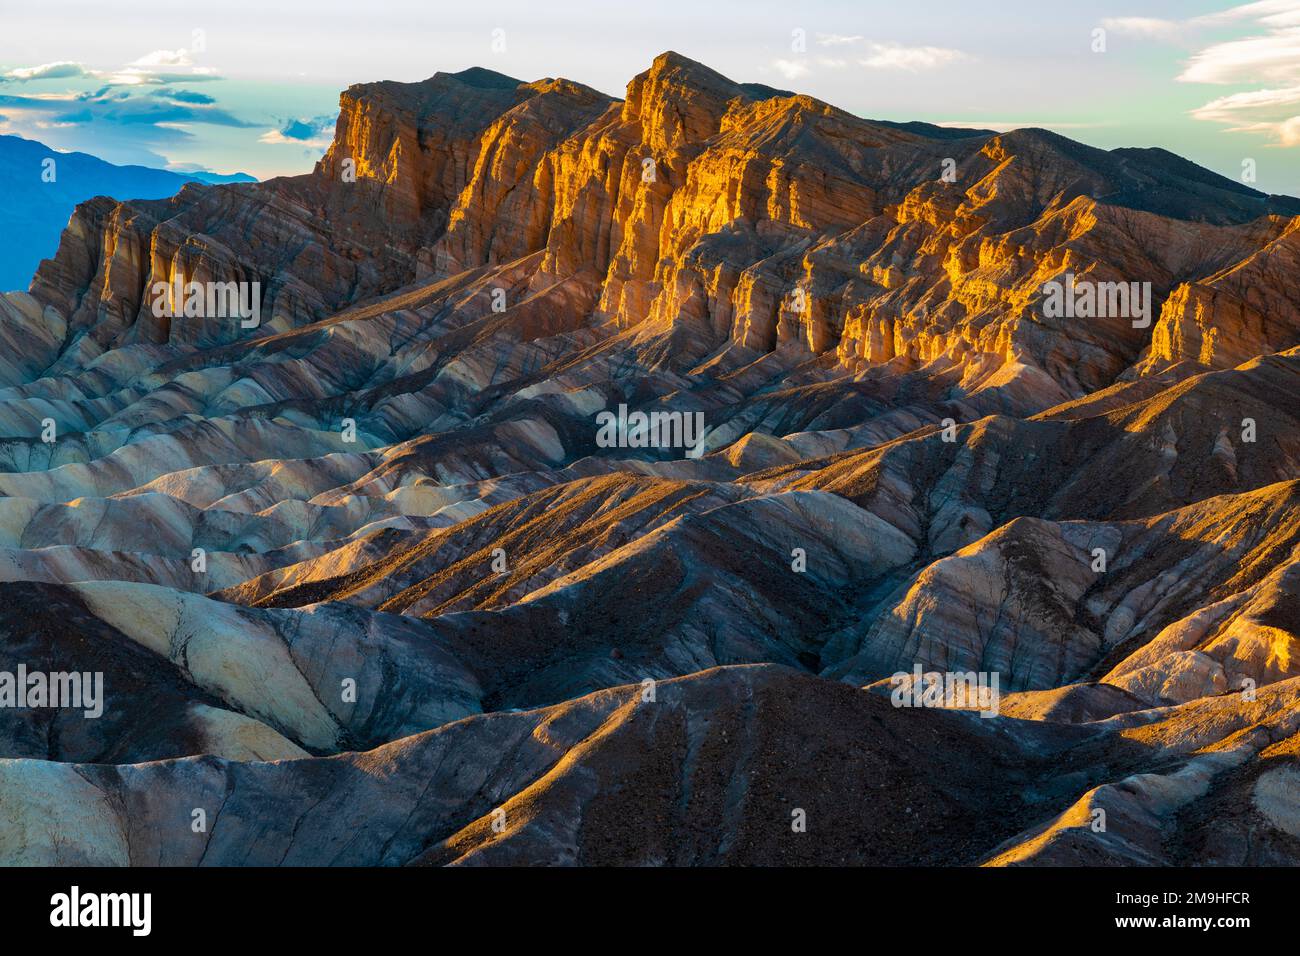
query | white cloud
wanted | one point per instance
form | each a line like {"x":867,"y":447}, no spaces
{"x":1229,"y":109}
{"x":1285,"y":133}
{"x":879,"y":56}
{"x":892,"y":56}
{"x":138,"y":76}
{"x":836,"y":39}
{"x":1268,"y":59}
{"x":790,"y":69}
{"x":145,"y":70}
{"x":53,"y":97}
{"x":164,"y":58}
{"x":47,"y":71}
{"x":1258,"y":111}
{"x":1288,"y":131}
{"x":1271,"y":13}
{"x":313,"y":132}
{"x":274,"y":137}
{"x":132,"y":114}
{"x":1152,"y":27}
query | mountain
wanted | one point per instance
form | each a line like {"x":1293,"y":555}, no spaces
{"x":217,"y":179}
{"x":37,"y":207}
{"x":593,"y":468}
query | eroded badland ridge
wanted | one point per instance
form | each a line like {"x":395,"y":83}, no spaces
{"x":368,"y":583}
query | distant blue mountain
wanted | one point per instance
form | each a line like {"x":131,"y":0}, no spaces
{"x":216,"y":179}
{"x":33,"y":211}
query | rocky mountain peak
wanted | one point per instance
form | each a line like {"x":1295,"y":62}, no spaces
{"x":679,"y":101}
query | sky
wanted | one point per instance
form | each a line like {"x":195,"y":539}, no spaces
{"x":252,"y":86}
